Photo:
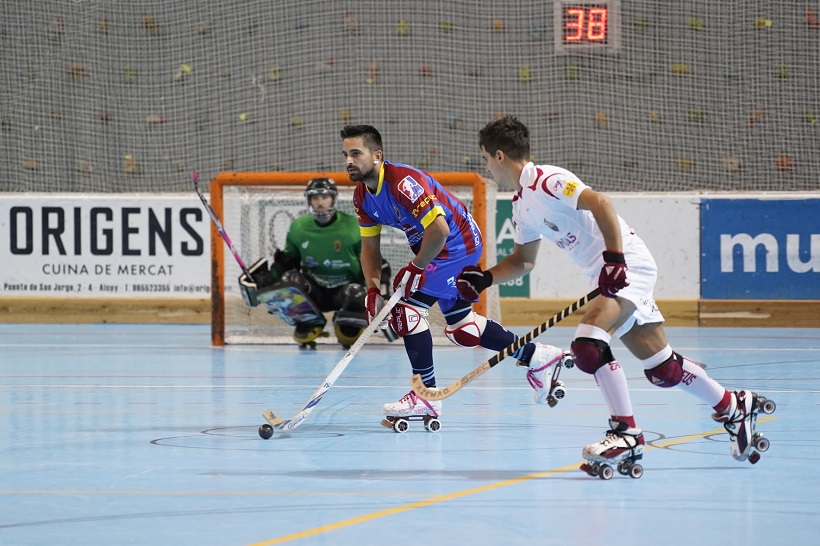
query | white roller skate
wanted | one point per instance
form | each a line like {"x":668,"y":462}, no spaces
{"x":622,"y":446}
{"x":740,"y":422}
{"x":412,"y":408}
{"x":544,"y":358}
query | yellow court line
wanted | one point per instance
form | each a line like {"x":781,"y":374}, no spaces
{"x":458,"y":494}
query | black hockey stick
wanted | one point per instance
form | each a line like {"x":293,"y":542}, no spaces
{"x":219,"y":227}
{"x":439,"y":394}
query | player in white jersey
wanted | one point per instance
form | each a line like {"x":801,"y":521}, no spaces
{"x":553,"y":203}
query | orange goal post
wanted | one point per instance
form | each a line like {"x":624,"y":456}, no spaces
{"x":256,"y":210}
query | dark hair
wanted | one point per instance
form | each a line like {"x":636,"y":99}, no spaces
{"x":508,"y":135}
{"x":370,"y":136}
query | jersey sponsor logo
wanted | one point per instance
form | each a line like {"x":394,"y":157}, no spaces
{"x":557,"y":186}
{"x":423,"y":204}
{"x":337,"y":245}
{"x":569,"y":190}
{"x":410,"y":188}
{"x":305,"y":244}
{"x":550,"y":225}
{"x":567,"y":242}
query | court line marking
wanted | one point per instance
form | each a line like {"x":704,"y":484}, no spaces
{"x":466,"y":492}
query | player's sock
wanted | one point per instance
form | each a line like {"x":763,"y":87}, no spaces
{"x":496,"y":337}
{"x":419,"y":349}
{"x":611,"y":381}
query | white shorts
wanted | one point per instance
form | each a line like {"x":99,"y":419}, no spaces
{"x":642,"y":273}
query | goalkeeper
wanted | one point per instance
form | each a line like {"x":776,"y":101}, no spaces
{"x":320,"y":259}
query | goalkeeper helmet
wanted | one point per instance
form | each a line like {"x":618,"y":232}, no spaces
{"x":322,"y":186}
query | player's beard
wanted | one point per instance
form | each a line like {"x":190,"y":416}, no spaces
{"x":357,"y":175}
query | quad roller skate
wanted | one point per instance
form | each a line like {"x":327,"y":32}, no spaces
{"x":557,"y":389}
{"x":545,"y":357}
{"x":306,"y":335}
{"x":412,"y":408}
{"x":622,"y":447}
{"x":740,"y":421}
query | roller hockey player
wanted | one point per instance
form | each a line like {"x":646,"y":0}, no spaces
{"x":318,"y":271}
{"x":444,"y":238}
{"x":552,"y":203}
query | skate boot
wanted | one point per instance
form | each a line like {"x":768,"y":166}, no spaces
{"x":306,"y":334}
{"x":622,"y":446}
{"x":412,"y":408}
{"x":740,"y":421}
{"x":546,"y":356}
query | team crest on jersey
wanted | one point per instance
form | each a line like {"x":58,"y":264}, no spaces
{"x":337,"y":245}
{"x":570,"y":188}
{"x":557,"y":186}
{"x":410,"y":188}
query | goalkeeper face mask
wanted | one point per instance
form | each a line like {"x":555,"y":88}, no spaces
{"x":322,"y":207}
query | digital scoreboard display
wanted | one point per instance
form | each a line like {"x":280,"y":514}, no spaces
{"x":588,"y":27}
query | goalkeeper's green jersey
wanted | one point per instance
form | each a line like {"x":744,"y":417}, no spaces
{"x":329,"y":255}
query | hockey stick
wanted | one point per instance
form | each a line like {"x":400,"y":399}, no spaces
{"x":296,"y":420}
{"x":219,"y":227}
{"x":429,"y":394}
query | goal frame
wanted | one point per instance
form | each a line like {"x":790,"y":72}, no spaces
{"x":299,"y":180}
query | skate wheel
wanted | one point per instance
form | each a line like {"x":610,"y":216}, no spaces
{"x":767,"y":406}
{"x":401,"y":426}
{"x":432,"y":425}
{"x":559,"y":392}
{"x":605,"y":472}
{"x":754,"y":456}
{"x":636,"y":471}
{"x":761,"y":443}
{"x":568,"y":362}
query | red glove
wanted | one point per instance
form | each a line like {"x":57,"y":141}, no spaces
{"x":613,"y":274}
{"x":472,"y":281}
{"x":409,"y":279}
{"x":373,"y":303}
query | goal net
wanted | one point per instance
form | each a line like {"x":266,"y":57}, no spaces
{"x":104,"y":96}
{"x":256,"y":210}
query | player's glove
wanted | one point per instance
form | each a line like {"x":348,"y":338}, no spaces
{"x":373,"y":303}
{"x":409,"y":279}
{"x":613,"y":274}
{"x":260,"y":278}
{"x":472,"y":281}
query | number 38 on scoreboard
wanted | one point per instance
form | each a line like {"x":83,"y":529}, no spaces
{"x":587,"y":26}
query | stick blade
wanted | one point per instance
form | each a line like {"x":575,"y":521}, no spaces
{"x":428,"y":394}
{"x":273,"y":420}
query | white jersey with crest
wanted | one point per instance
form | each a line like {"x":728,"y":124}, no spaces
{"x":546,"y":205}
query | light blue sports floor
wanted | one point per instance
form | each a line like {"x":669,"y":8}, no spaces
{"x":145,"y":434}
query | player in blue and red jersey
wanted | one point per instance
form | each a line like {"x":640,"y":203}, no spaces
{"x":444,"y":238}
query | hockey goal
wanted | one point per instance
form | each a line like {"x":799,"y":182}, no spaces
{"x":256,"y":210}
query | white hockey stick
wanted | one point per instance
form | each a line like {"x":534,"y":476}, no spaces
{"x":373,"y":327}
